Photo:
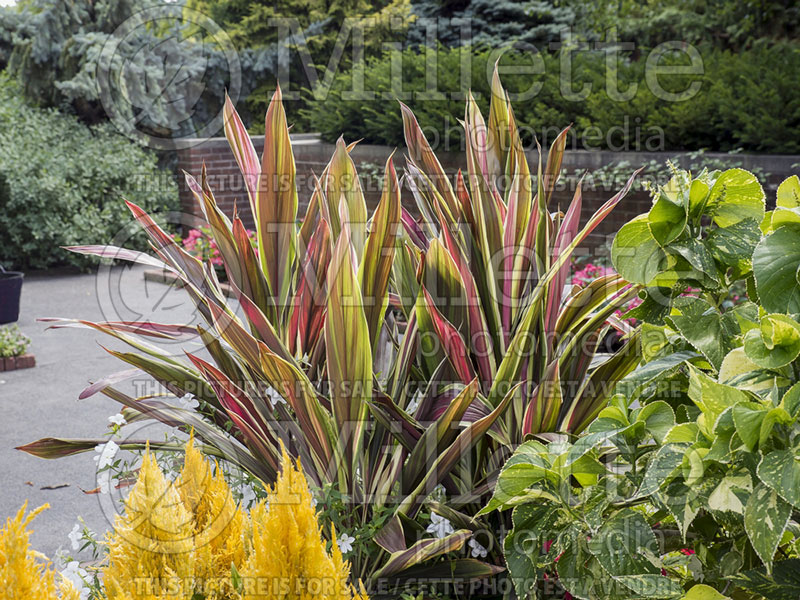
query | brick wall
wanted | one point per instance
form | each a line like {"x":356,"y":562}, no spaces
{"x":311,"y":156}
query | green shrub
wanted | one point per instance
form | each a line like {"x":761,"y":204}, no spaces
{"x":12,"y":342}
{"x":745,"y":101}
{"x":371,"y":119}
{"x":61,"y":183}
{"x":723,"y":24}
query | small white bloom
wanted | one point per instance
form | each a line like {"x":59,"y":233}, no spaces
{"x":74,"y":573}
{"x":117,"y":419}
{"x":105,"y":454}
{"x":75,"y":536}
{"x":248,"y":495}
{"x":412,"y":406}
{"x":77,"y":576}
{"x":274,"y":397}
{"x":478,"y":551}
{"x":345,"y":543}
{"x":188,"y":402}
{"x":440,"y":527}
{"x":104,"y":482}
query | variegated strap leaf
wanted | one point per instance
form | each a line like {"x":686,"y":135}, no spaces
{"x":276,"y":205}
{"x":308,"y":309}
{"x":553,"y":170}
{"x":349,"y":352}
{"x":499,"y":131}
{"x":243,"y":152}
{"x":376,"y":264}
{"x":423,"y":157}
{"x":566,"y":233}
{"x":343,"y":186}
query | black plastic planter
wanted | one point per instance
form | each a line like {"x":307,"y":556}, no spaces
{"x":10,"y":291}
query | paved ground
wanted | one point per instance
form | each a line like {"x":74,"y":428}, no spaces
{"x":43,"y":401}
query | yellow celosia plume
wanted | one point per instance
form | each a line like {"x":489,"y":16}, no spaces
{"x":151,"y":550}
{"x":176,"y":540}
{"x":25,"y":574}
{"x":68,"y":591}
{"x":289,"y":560}
{"x":219,"y":524}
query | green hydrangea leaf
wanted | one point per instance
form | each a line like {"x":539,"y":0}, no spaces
{"x":703,"y":592}
{"x":736,"y":195}
{"x":789,"y":193}
{"x":782,"y":584}
{"x":765,"y":518}
{"x":775,"y":263}
{"x":748,"y":417}
{"x":635,"y":253}
{"x":622,"y":543}
{"x":667,"y":220}
{"x":780,"y":470}
{"x":775,"y":343}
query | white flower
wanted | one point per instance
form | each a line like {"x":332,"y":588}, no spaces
{"x":76,"y":575}
{"x":345,"y":543}
{"x":412,"y":406}
{"x":75,"y":536}
{"x":188,"y":402}
{"x":174,"y":433}
{"x":274,"y":397}
{"x":440,"y":527}
{"x":478,"y":551}
{"x":105,"y":454}
{"x":104,"y":482}
{"x":248,"y":494}
{"x":117,"y":419}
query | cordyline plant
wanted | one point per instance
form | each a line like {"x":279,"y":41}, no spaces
{"x":475,"y":312}
{"x":491,"y":300}
{"x":481,"y":282}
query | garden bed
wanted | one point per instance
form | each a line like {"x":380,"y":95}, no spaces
{"x":631,"y":427}
{"x":26,"y":361}
{"x":14,"y":349}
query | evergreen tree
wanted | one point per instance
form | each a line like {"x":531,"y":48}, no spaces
{"x":163,"y":73}
{"x":493,"y":23}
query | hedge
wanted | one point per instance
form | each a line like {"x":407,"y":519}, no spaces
{"x":62,"y":183}
{"x":745,"y":100}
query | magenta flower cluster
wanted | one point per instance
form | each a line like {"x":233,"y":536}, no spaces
{"x":589,"y":272}
{"x":200,"y":244}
